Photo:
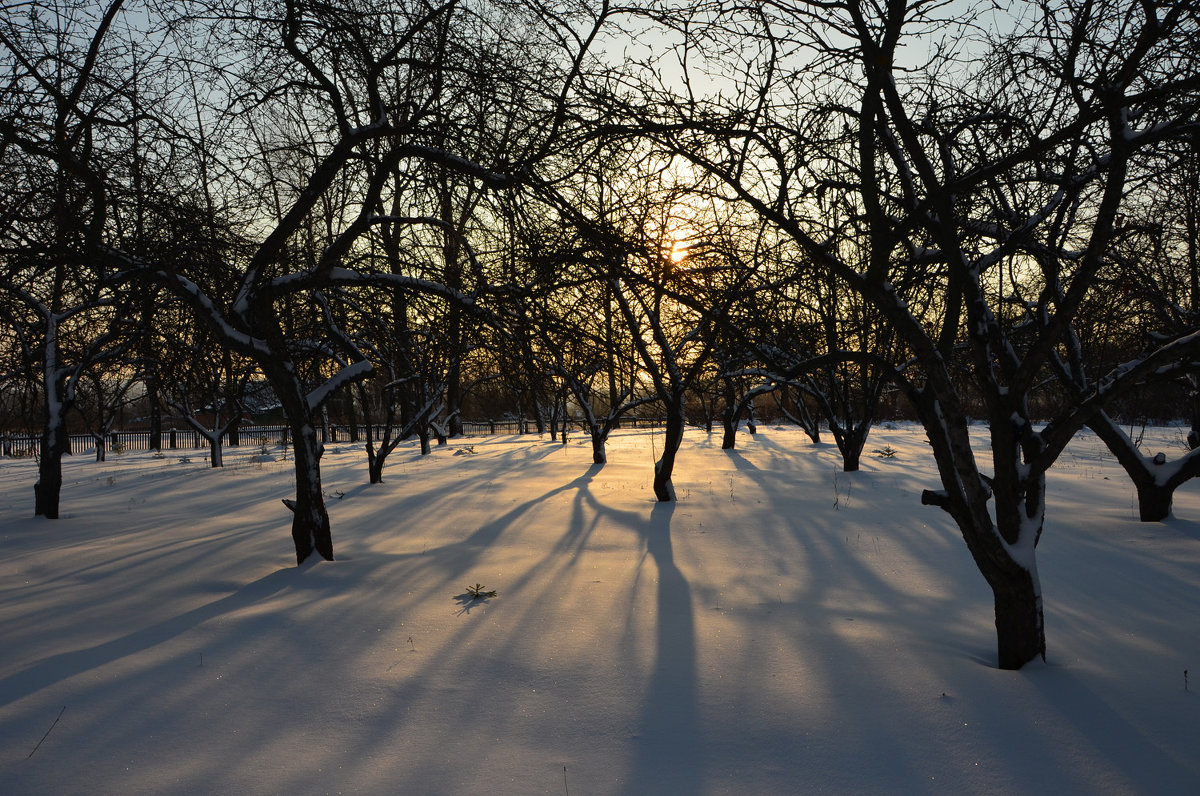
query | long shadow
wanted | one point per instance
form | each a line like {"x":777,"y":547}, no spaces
{"x":670,"y":755}
{"x":741,"y":462}
{"x":1122,"y":744}
{"x":58,"y":668}
{"x":488,"y":533}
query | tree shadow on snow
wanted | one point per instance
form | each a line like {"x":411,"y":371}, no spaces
{"x":59,"y":668}
{"x":670,"y":757}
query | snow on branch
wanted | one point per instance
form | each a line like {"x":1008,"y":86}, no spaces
{"x":347,"y":375}
{"x":492,"y":179}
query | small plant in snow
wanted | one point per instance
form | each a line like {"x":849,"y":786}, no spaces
{"x":477,"y":592}
{"x":837,"y":493}
{"x":465,"y":450}
{"x":886,"y":452}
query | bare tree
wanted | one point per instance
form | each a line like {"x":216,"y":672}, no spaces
{"x":948,"y":177}
{"x":342,"y":106}
{"x":64,"y":118}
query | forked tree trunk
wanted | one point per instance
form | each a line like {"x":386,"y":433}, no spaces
{"x":1155,"y":478}
{"x":1006,"y":555}
{"x":1003,"y":546}
{"x":851,"y":444}
{"x":310,"y":519}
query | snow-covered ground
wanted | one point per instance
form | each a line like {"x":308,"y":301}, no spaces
{"x":783,"y":628}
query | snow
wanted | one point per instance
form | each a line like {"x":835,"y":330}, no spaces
{"x":783,"y":628}
{"x":348,"y":374}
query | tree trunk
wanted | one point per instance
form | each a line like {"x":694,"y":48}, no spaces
{"x":49,"y":486}
{"x":852,"y":448}
{"x":374,"y":465}
{"x":664,"y":490}
{"x":729,"y":418}
{"x":310,"y":518}
{"x":729,"y":439}
{"x":155,"y":418}
{"x":1154,"y":500}
{"x":599,"y":456}
{"x":55,"y":444}
{"x":851,"y":441}
{"x":539,"y":417}
{"x":1020,"y":630}
{"x":216,"y":454}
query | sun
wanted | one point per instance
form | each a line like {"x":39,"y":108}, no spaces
{"x":679,"y":243}
{"x":679,"y":250}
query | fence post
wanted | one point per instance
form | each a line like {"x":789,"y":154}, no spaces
{"x":171,"y":440}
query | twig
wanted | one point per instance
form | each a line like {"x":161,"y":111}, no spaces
{"x":47,"y":735}
{"x":568,"y":790}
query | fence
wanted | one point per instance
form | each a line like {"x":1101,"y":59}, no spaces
{"x":26,"y":445}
